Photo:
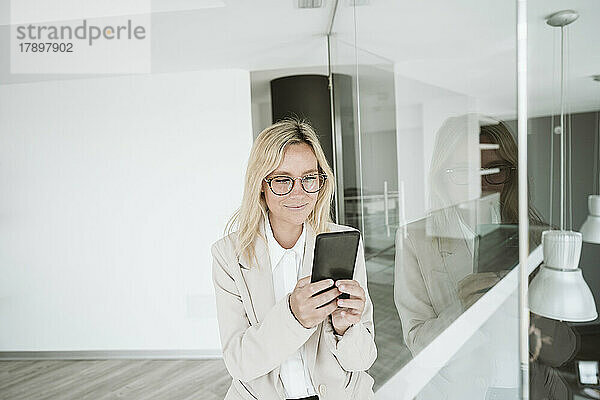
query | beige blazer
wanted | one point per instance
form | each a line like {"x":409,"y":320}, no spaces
{"x":257,"y":334}
{"x":427,"y":273}
{"x":426,"y":276}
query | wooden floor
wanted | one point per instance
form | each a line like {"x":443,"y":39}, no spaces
{"x":184,"y":379}
{"x":114,"y":379}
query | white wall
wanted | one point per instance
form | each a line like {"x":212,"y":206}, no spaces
{"x":113,"y":190}
{"x":421,"y":110}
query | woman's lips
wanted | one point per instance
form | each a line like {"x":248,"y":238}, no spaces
{"x":296,"y":207}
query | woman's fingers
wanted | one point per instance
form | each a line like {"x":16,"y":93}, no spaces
{"x":326,"y":310}
{"x":346,"y":316}
{"x":316,"y":287}
{"x":473,"y":286}
{"x":310,"y":308}
{"x":351,"y":318}
{"x":302,"y":304}
{"x":537,"y":345}
{"x":324,"y":298}
{"x":351,"y":287}
{"x":356,"y":304}
{"x":303,"y":282}
{"x":478,"y":282}
{"x":350,"y":311}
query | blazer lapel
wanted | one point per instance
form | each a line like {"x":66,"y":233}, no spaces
{"x":309,"y":249}
{"x":258,"y":276}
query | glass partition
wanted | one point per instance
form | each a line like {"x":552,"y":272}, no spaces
{"x":562,"y":157}
{"x":430,"y":178}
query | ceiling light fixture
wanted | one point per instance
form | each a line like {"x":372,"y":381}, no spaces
{"x":559,"y":291}
{"x":310,"y":3}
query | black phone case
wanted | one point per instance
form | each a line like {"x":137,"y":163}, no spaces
{"x":335,"y":257}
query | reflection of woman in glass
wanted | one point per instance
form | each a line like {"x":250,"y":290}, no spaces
{"x":505,"y":181}
{"x":552,"y":343}
{"x":279,"y":341}
{"x":436,"y":253}
{"x":436,"y":259}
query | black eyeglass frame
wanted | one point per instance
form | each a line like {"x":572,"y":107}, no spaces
{"x":322,"y":175}
{"x":509,"y":175}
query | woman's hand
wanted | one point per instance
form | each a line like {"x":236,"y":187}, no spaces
{"x":304,"y":306}
{"x":473,"y":286}
{"x":351,"y":309}
{"x":536,"y":339}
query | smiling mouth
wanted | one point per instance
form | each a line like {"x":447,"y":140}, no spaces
{"x":296,"y":208}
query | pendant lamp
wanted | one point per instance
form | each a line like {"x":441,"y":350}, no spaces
{"x":559,"y":291}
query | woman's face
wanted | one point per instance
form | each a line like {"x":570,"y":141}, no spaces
{"x":490,"y":159}
{"x":294,"y":207}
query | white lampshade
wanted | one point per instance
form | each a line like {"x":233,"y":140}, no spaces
{"x":591,"y":227}
{"x":559,"y":291}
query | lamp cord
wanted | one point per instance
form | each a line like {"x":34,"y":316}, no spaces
{"x":570,"y":133}
{"x":552,"y":133}
{"x":596,"y":149}
{"x":562,"y":129}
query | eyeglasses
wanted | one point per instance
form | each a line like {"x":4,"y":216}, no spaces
{"x":281,"y":185}
{"x":506,"y":173}
{"x":497,"y":174}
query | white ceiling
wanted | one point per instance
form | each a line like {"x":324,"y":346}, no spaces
{"x":469,"y":47}
{"x":252,"y":35}
{"x":35,"y":11}
{"x":466,"y":46}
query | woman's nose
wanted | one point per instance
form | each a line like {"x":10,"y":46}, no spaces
{"x":297,"y":186}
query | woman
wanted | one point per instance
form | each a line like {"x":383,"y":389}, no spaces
{"x":279,"y":341}
{"x":552,"y":343}
{"x":438,"y":263}
{"x":438,"y":258}
{"x":505,"y":182}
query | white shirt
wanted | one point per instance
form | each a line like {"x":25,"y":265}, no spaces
{"x":286,"y":265}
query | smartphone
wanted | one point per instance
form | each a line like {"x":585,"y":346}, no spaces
{"x":335,"y":257}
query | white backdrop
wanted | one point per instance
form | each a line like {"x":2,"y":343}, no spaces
{"x":112,"y":190}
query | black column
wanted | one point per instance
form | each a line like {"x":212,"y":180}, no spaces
{"x":305,"y":96}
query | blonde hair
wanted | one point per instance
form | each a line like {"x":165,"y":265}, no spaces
{"x":266,"y":155}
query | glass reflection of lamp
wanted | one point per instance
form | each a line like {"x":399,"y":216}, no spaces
{"x":559,"y":291}
{"x":591,"y":227}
